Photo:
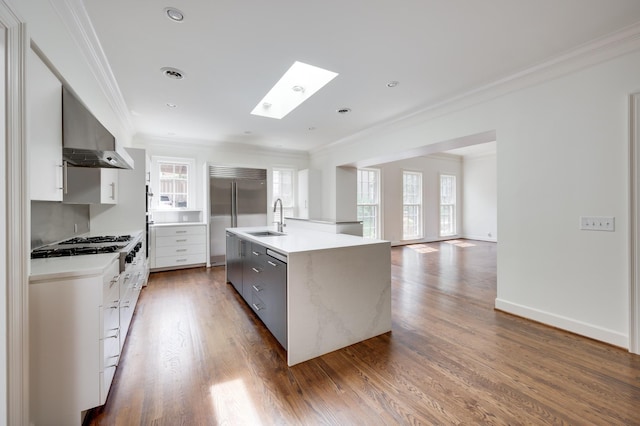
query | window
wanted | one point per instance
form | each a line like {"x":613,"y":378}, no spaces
{"x":447,"y":205}
{"x":411,"y":205}
{"x":174,"y":180}
{"x":283,"y":188}
{"x":369,"y":202}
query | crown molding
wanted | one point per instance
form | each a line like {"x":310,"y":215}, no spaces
{"x":599,"y":50}
{"x":143,"y":140}
{"x":76,"y":19}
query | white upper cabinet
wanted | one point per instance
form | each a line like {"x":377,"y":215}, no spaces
{"x":87,"y":185}
{"x":44,"y":93}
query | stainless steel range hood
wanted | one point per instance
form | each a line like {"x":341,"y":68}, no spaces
{"x":85,"y":142}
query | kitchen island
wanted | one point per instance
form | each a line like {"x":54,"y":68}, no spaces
{"x":337,"y":290}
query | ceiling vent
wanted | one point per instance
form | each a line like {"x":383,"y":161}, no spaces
{"x":174,"y":73}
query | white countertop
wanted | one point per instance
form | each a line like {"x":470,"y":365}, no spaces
{"x":70,"y":266}
{"x":303,"y":240}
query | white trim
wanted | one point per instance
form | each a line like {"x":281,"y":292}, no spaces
{"x":479,"y":238}
{"x":76,"y":19}
{"x":569,"y":324}
{"x":18,"y":221}
{"x":599,"y":50}
{"x":634,"y":224}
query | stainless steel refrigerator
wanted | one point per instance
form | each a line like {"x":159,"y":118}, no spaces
{"x":237,"y":198}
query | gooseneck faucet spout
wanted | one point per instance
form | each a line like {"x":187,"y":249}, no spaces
{"x":275,"y":206}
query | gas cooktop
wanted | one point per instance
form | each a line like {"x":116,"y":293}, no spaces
{"x":72,"y":251}
{"x":84,"y":245}
{"x":98,"y":239}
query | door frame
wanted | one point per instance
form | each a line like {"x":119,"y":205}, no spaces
{"x":634,"y":224}
{"x":17,"y":217}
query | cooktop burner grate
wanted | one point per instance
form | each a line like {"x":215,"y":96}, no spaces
{"x":75,"y":251}
{"x":98,"y":239}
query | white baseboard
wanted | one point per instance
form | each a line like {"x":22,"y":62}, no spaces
{"x":480,"y":238}
{"x":578,"y":327}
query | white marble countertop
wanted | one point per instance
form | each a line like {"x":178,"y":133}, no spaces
{"x":303,"y":240}
{"x":160,"y":225}
{"x":70,"y":266}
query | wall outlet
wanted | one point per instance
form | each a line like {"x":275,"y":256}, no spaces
{"x":597,"y":223}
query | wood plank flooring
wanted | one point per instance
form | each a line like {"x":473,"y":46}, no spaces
{"x":197,"y":355}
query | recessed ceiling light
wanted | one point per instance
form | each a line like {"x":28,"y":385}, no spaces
{"x":344,"y":110}
{"x":170,"y":105}
{"x":393,"y":83}
{"x":174,"y":73}
{"x":247,"y":132}
{"x":174,"y":14}
{"x":297,"y":85}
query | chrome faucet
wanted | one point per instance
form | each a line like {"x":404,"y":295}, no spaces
{"x":275,"y":206}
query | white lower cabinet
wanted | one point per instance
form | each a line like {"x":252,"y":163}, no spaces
{"x":74,"y":333}
{"x":178,"y":246}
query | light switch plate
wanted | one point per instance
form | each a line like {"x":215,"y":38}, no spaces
{"x":598,"y":223}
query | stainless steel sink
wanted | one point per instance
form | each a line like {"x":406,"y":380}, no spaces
{"x":266,"y":234}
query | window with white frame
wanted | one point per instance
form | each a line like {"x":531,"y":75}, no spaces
{"x":283,"y":188}
{"x":447,"y":205}
{"x":369,"y":202}
{"x":411,"y":205}
{"x":173,"y":183}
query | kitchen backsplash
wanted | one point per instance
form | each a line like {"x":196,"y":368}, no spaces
{"x":176,"y":216}
{"x":53,"y":221}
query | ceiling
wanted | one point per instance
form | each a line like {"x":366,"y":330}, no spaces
{"x":232,"y":52}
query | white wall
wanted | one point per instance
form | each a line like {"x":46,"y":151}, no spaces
{"x":563,"y":150}
{"x":224,"y":154}
{"x":480,"y":198}
{"x":391,"y":185}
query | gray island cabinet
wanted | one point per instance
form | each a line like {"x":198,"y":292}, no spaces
{"x":315,"y":291}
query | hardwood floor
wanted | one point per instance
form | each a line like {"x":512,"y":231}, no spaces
{"x":197,"y":355}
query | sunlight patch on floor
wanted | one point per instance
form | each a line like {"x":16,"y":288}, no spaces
{"x":232,"y":404}
{"x":422,"y":248}
{"x":465,"y":245}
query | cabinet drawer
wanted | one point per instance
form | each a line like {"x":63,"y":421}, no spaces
{"x":172,"y":231}
{"x":257,"y":251}
{"x":180,"y":240}
{"x":180,"y":250}
{"x":166,"y":261}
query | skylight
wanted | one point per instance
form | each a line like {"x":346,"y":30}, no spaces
{"x":297,"y":85}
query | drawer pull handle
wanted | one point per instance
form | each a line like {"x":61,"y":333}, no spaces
{"x":256,"y":270}
{"x":181,"y":241}
{"x":256,"y":307}
{"x":181,"y":232}
{"x":110,"y":366}
{"x":272,"y":263}
{"x":115,"y":304}
{"x":113,"y":336}
{"x":180,"y":250}
{"x":256,"y":288}
{"x":255,"y":253}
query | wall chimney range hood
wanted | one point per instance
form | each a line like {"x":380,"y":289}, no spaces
{"x":86,"y":142}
